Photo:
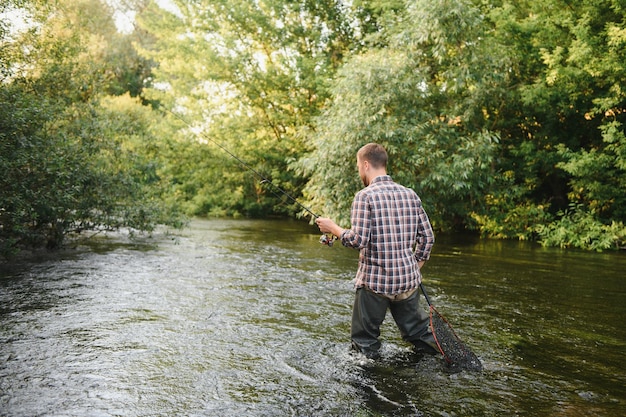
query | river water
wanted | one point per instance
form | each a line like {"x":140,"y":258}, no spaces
{"x":251,"y":318}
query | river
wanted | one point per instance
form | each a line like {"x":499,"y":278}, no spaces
{"x":252,"y":318}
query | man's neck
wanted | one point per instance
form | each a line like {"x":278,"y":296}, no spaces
{"x":375,"y":173}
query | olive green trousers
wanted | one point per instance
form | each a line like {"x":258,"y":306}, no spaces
{"x":369,"y":311}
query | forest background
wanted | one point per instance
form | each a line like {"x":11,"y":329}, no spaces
{"x":506,"y":117}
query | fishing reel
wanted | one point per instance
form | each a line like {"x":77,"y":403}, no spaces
{"x":328,"y":239}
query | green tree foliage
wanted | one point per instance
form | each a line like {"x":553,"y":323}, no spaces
{"x":246,"y":76}
{"x":506,"y":117}
{"x":562,"y":123}
{"x":416,"y":93}
{"x":71,"y":159}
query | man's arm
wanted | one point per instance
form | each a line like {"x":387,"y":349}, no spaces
{"x":425,"y":238}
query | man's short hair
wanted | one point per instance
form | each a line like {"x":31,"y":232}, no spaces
{"x":375,"y":154}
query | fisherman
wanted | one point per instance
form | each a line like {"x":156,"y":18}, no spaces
{"x":394,"y":236}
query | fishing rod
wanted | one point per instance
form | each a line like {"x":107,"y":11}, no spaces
{"x":324,"y":239}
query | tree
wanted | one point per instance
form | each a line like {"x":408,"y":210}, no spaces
{"x":70,"y":158}
{"x":413,"y":92}
{"x":562,"y":125}
{"x":248,"y":76}
{"x":505,"y":116}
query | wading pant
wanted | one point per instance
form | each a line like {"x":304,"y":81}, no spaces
{"x":369,"y":311}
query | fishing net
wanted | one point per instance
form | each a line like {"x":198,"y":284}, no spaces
{"x":454,"y":351}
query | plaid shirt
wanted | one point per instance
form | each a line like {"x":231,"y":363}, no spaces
{"x":392,"y":232}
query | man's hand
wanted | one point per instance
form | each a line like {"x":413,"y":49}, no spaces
{"x":326,"y":225}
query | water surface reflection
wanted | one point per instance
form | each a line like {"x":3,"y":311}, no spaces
{"x":252,"y":318}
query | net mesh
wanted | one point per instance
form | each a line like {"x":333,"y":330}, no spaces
{"x":455,"y":352}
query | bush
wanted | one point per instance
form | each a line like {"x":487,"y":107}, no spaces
{"x":579,"y":228}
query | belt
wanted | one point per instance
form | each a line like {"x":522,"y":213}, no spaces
{"x":394,"y":297}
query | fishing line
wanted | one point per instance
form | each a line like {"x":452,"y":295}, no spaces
{"x":264,"y":179}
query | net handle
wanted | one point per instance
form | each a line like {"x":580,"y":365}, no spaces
{"x":430,"y":314}
{"x":425,"y":295}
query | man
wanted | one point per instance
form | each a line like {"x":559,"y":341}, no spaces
{"x":394,"y":236}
